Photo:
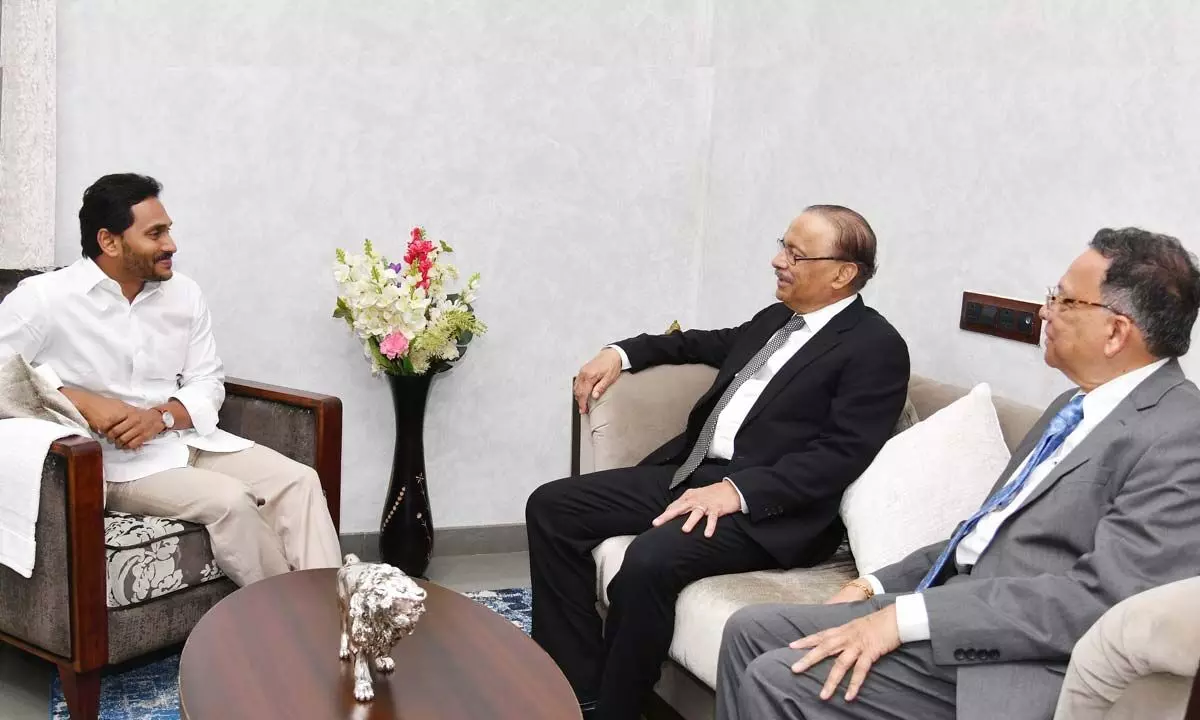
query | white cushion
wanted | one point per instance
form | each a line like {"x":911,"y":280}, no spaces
{"x":705,"y":605}
{"x":925,"y":481}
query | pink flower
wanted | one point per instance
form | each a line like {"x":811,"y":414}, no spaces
{"x":394,"y":345}
{"x":417,"y":249}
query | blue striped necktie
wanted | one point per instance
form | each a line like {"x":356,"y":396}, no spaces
{"x":1060,"y":427}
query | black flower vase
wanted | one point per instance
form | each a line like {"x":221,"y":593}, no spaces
{"x":406,"y":529}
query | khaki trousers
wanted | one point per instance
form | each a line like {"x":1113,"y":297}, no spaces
{"x":265,"y":514}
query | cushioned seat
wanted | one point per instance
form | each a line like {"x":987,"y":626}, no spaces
{"x":705,"y":605}
{"x":646,"y":409}
{"x":149,"y":557}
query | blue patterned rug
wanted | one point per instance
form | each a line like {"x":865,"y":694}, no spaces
{"x":151,"y":692}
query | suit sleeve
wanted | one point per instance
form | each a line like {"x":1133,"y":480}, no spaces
{"x":704,"y":347}
{"x":1147,"y":537}
{"x":868,"y":401}
{"x":904,"y":576}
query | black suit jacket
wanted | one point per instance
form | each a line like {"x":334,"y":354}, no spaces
{"x":812,"y":432}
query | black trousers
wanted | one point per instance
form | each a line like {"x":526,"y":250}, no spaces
{"x":616,"y":663}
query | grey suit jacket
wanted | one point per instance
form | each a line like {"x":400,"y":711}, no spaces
{"x":1120,"y":514}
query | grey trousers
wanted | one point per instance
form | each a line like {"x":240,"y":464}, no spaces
{"x":755,"y":679}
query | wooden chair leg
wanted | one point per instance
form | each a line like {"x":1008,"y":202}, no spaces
{"x":82,"y":691}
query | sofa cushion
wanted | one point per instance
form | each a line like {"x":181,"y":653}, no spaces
{"x":705,"y":605}
{"x":924,"y":481}
{"x":149,"y":557}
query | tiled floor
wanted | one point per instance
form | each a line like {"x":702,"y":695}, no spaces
{"x":25,"y":680}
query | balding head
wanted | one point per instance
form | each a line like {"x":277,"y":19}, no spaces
{"x":855,"y":240}
{"x":826,"y":255}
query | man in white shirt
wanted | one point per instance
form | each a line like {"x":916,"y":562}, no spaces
{"x":1098,"y":503}
{"x":806,"y":393}
{"x":129,"y":342}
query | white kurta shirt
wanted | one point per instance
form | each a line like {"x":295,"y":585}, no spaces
{"x":77,"y":329}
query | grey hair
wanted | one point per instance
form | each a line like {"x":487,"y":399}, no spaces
{"x":1152,"y":280}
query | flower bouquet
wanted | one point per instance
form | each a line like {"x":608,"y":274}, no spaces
{"x":409,"y":320}
{"x":412,"y":327}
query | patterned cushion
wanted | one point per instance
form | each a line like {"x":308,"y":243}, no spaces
{"x":149,"y":557}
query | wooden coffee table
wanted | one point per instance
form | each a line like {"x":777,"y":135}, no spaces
{"x":270,"y":650}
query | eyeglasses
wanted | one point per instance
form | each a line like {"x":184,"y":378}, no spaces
{"x":1056,"y":301}
{"x":794,"y":259}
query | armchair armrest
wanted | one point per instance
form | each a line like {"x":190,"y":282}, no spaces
{"x":305,"y":426}
{"x":1145,"y":649}
{"x":69,"y":580}
{"x":637,"y":414}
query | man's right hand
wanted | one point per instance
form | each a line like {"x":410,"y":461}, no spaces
{"x":102,"y":413}
{"x":595,"y":377}
{"x":848,"y":593}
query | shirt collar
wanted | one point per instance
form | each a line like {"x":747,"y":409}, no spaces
{"x":818,"y":319}
{"x":89,"y":276}
{"x":1099,"y":403}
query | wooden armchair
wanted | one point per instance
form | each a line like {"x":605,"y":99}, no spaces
{"x":110,"y":587}
{"x":65,"y":613}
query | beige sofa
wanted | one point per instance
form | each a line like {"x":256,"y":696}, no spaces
{"x":643,"y":410}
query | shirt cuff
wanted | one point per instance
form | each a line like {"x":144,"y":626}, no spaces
{"x":873,"y":581}
{"x":741,"y":497}
{"x":47,"y":373}
{"x":200,"y":407}
{"x":624,"y":358}
{"x":912,"y":619}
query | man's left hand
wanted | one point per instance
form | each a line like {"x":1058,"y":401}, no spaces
{"x":136,"y":429}
{"x":712,"y":502}
{"x":857,"y":644}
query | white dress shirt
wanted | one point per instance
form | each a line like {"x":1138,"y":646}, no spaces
{"x":77,"y":329}
{"x":731,"y":418}
{"x":911,"y":616}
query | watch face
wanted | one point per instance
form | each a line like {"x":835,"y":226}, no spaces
{"x":168,"y":419}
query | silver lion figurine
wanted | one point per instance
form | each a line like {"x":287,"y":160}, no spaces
{"x":380,"y":605}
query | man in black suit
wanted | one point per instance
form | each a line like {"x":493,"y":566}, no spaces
{"x":807,"y":393}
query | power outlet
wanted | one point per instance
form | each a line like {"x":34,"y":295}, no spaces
{"x":1002,"y":317}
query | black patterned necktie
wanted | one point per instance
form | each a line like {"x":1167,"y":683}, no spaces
{"x":704,"y":442}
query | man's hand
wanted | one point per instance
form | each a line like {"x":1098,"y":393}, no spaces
{"x":595,"y":377}
{"x":101,"y":413}
{"x":848,"y":594}
{"x":712,"y":501}
{"x":136,"y":429}
{"x":857,"y":644}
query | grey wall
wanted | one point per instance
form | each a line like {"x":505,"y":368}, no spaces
{"x":610,"y":167}
{"x":559,"y":149}
{"x":986,"y":143}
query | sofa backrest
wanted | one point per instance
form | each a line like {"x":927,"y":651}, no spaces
{"x":643,"y":410}
{"x":929,"y":396}
{"x":10,"y":278}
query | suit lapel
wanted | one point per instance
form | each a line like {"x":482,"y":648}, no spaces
{"x":757,"y":336}
{"x":1029,"y":442}
{"x":825,"y":340}
{"x":1098,"y":439}
{"x":1143,"y":396}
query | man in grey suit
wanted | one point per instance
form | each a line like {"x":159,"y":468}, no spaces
{"x":1100,"y":501}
